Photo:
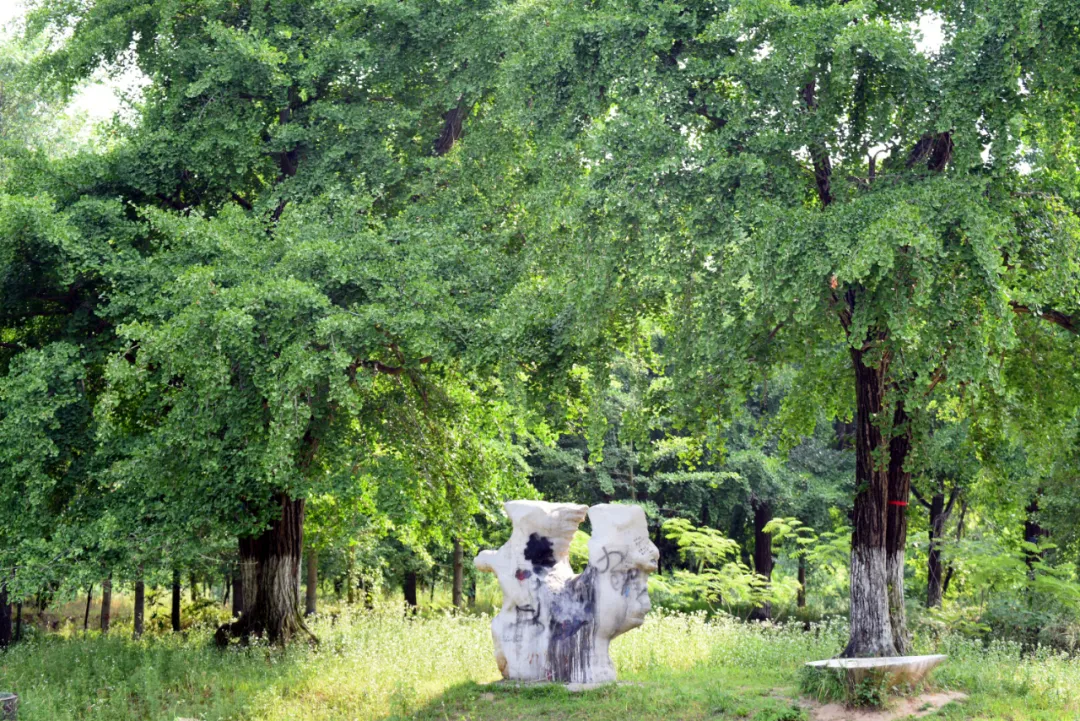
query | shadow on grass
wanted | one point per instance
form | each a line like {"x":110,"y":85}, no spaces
{"x":700,"y":693}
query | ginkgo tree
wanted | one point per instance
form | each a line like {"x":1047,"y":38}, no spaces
{"x":283,"y":314}
{"x":805,"y":183}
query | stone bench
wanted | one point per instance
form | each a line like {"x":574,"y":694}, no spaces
{"x":897,"y":670}
{"x":9,"y":707}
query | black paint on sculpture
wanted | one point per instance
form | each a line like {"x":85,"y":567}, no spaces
{"x":573,"y":627}
{"x":540,"y":552}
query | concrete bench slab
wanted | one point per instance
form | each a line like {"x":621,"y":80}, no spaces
{"x":9,"y":706}
{"x":896,"y":669}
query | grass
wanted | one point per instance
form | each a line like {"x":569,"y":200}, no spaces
{"x":382,"y":666}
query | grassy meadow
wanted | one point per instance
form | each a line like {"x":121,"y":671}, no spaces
{"x":381,"y":665}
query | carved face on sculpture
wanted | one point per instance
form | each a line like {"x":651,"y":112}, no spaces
{"x":623,"y":556}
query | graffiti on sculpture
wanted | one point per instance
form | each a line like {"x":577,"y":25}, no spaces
{"x":554,"y":625}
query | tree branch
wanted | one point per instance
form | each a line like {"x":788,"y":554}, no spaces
{"x":818,"y":154}
{"x":174,"y":204}
{"x":939,"y":375}
{"x":380,"y":367}
{"x":242,"y":202}
{"x":953,"y":495}
{"x":1067,"y":322}
{"x":451,"y":131}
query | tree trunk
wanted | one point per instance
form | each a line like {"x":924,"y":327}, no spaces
{"x":106,"y":604}
{"x":1033,"y":533}
{"x":5,"y":617}
{"x":658,"y":542}
{"x":800,"y":600}
{"x":934,"y":576}
{"x":86,"y":616}
{"x":350,"y":577}
{"x":896,"y":526}
{"x":194,"y":590}
{"x":18,"y":621}
{"x":249,"y":573}
{"x":472,"y":592}
{"x":763,"y":558}
{"x":959,"y":536}
{"x":176,"y":601}
{"x":237,"y":594}
{"x":459,"y":574}
{"x":366,"y":591}
{"x":871,"y":628}
{"x":275,"y":611}
{"x":138,"y":625}
{"x":409,"y":587}
{"x":312,"y":582}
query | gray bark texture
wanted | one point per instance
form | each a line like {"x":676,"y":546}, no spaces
{"x":896,"y":525}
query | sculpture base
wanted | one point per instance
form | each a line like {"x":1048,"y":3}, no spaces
{"x":571,"y":687}
{"x":897,"y":670}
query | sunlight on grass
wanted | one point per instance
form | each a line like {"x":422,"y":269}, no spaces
{"x":381,"y":664}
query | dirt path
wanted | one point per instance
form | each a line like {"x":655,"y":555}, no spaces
{"x":902,"y":708}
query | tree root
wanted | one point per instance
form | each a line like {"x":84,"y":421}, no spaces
{"x":247,"y":627}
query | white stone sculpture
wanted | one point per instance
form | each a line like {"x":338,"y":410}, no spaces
{"x":555,"y":626}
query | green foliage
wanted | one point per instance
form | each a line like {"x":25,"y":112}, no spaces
{"x":239,"y":293}
{"x":702,"y":547}
{"x":579,"y":551}
{"x":792,"y":536}
{"x":823,"y":684}
{"x":870,"y":690}
{"x":718,"y":577}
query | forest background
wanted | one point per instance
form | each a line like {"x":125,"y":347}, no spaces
{"x":336,"y":279}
